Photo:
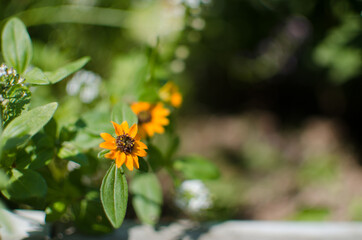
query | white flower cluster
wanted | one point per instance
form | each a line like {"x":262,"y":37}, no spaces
{"x":193,"y":196}
{"x":86,"y":84}
{"x":11,"y":74}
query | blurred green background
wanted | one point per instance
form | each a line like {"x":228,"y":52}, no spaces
{"x":272,"y":91}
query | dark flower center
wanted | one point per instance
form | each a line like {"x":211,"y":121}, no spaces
{"x":125,"y":143}
{"x":144,"y":117}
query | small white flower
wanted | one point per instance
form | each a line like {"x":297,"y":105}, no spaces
{"x":193,"y":196}
{"x":86,"y":84}
{"x":72,"y":166}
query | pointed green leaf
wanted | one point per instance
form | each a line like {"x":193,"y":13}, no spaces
{"x":114,"y":195}
{"x":25,"y":184}
{"x":122,"y":112}
{"x":65,"y":71}
{"x":26,"y":125}
{"x":16,"y":45}
{"x":36,"y":76}
{"x":147,"y":197}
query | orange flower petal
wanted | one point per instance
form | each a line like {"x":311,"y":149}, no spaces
{"x":107,"y":137}
{"x":117,"y":128}
{"x":159,"y":110}
{"x":133,"y":131}
{"x":110,"y":155}
{"x":129,"y":162}
{"x":108,"y":145}
{"x":140,"y":106}
{"x":124,"y":127}
{"x":139,"y":152}
{"x":136,"y":163}
{"x":140,"y":145}
{"x":147,"y":127}
{"x":176,"y":99}
{"x":120,"y":159}
{"x":137,"y":137}
{"x":158,"y":129}
{"x":162,"y":121}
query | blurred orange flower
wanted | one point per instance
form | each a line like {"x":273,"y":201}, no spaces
{"x":169,"y":93}
{"x":126,"y":147}
{"x":151,"y":118}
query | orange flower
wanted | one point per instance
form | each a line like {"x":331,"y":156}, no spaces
{"x":151,"y":117}
{"x":169,"y":93}
{"x":126,"y":147}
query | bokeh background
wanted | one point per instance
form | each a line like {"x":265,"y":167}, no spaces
{"x":272,"y":91}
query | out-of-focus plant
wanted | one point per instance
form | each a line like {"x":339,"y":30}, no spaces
{"x":49,"y":151}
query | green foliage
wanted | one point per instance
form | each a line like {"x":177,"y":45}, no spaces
{"x":49,"y":139}
{"x":90,"y":217}
{"x":66,"y":70}
{"x":147,"y":197}
{"x":312,"y":214}
{"x":343,"y":61}
{"x":197,"y":167}
{"x":25,"y":126}
{"x":122,"y":112}
{"x":36,"y":76}
{"x":16,"y":45}
{"x":25,"y":184}
{"x":16,"y":97}
{"x":114,"y":195}
{"x":3,"y":179}
{"x":155,"y":157}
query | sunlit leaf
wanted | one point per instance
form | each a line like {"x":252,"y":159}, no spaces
{"x":66,"y":70}
{"x":26,"y":125}
{"x":36,"y":76}
{"x":16,"y":45}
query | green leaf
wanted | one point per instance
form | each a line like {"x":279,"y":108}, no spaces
{"x":114,"y":195}
{"x":16,"y":45}
{"x":71,"y":153}
{"x":147,"y":197}
{"x":36,"y":76}
{"x":122,"y":112}
{"x":196,"y":167}
{"x":26,"y":125}
{"x":65,"y":71}
{"x":3,"y":179}
{"x":25,"y":184}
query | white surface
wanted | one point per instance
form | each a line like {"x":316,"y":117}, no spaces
{"x":22,"y":224}
{"x":236,"y":230}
